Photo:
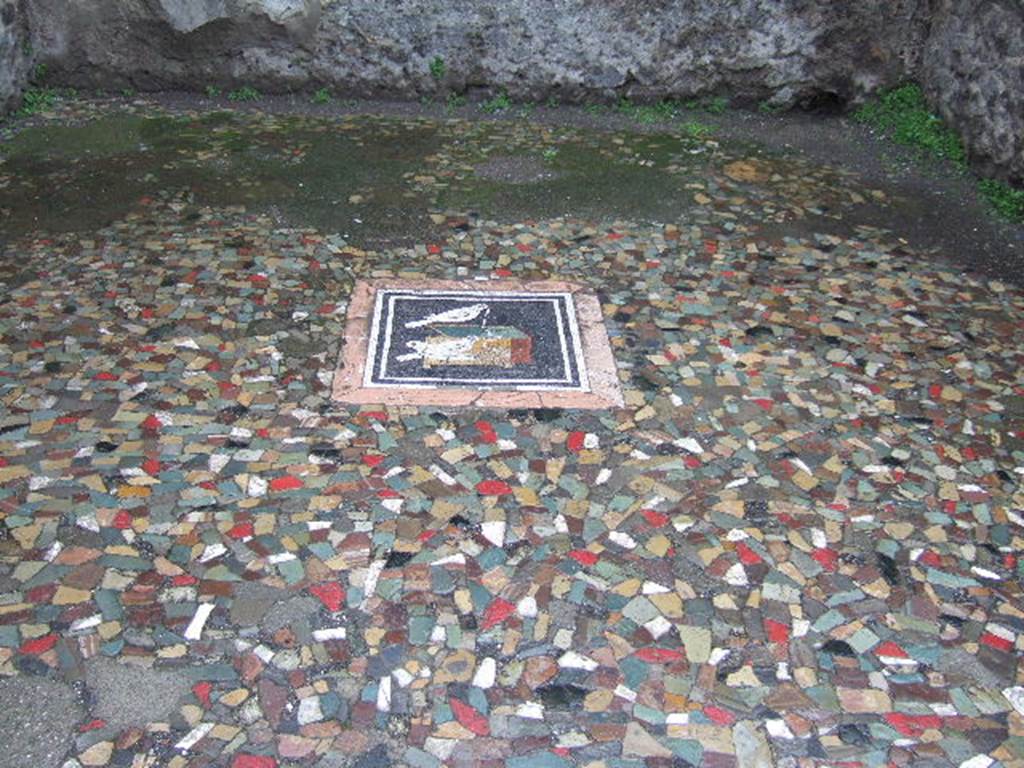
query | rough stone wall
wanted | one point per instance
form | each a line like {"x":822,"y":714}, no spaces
{"x":14,"y":53}
{"x":787,"y":52}
{"x":578,"y":49}
{"x":160,"y":44}
{"x":973,"y":70}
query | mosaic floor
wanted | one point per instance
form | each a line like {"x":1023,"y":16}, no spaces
{"x":796,"y":544}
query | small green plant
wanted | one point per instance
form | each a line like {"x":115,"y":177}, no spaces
{"x":594,"y":109}
{"x":499,"y":103}
{"x":647,"y":114}
{"x":767,"y":108}
{"x":36,"y":100}
{"x":716,"y":105}
{"x":245,"y":93}
{"x":128,"y":92}
{"x":453,"y":102}
{"x":39,"y":73}
{"x":322,"y":96}
{"x":552,"y":102}
{"x":1005,"y":200}
{"x":713,"y":105}
{"x":903,"y":114}
{"x":550,"y":153}
{"x":695,"y":130}
{"x":212,"y":91}
{"x":438,"y":68}
{"x":526,"y":109}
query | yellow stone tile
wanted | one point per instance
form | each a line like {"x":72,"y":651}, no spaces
{"x":598,"y":700}
{"x":109,"y":630}
{"x":628,"y":587}
{"x":669,"y":603}
{"x":724,"y":602}
{"x":463,"y":601}
{"x":13,"y":472}
{"x":553,"y":469}
{"x":70,"y":596}
{"x":26,"y":535}
{"x":133,"y":492}
{"x":659,"y":545}
{"x":510,"y":642}
{"x":224,"y":732}
{"x":234,"y":698}
{"x":15,"y":608}
{"x":374,"y":635}
{"x":40,"y":427}
{"x":804,"y":481}
{"x":878,"y":588}
{"x":526,"y":497}
{"x":98,"y":754}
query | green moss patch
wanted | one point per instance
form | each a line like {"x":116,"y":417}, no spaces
{"x":1005,"y":200}
{"x":903,"y":114}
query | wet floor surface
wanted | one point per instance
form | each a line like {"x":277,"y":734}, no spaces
{"x":796,"y":545}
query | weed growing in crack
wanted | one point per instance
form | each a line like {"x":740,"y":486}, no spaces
{"x":695,"y":130}
{"x":713,"y":105}
{"x":245,"y":93}
{"x":648,"y":114}
{"x":438,"y":68}
{"x":453,"y":102}
{"x":36,"y":100}
{"x":499,"y":103}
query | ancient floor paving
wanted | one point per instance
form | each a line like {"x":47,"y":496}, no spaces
{"x":798,"y":544}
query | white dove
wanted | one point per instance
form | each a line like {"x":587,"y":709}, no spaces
{"x":457,"y":315}
{"x":448,"y":349}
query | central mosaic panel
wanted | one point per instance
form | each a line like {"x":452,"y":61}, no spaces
{"x":486,"y":344}
{"x":475,"y":339}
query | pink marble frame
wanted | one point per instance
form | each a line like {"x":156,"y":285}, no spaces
{"x":597,"y":353}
